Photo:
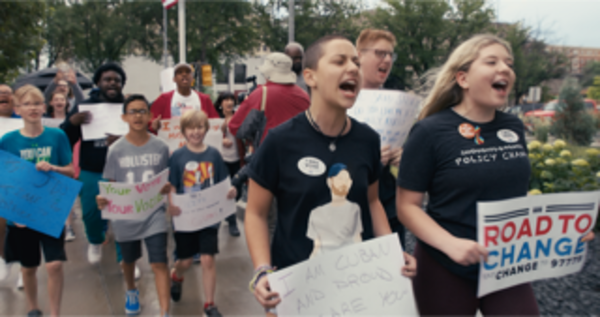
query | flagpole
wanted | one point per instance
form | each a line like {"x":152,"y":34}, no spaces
{"x":181,"y":20}
{"x":291,"y":22}
{"x":165,"y":39}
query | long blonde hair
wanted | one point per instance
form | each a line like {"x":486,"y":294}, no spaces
{"x":446,"y":92}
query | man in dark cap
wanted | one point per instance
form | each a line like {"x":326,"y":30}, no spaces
{"x":110,"y":79}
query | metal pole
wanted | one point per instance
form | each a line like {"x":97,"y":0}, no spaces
{"x":165,"y":39}
{"x":291,"y":21}
{"x":181,"y":18}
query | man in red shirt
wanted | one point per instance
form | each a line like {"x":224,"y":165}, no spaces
{"x":284,"y":98}
{"x":175,"y":103}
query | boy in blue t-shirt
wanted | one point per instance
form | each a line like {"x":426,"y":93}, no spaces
{"x":49,"y":150}
{"x":193,"y":168}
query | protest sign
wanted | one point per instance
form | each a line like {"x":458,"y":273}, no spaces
{"x":10,"y":124}
{"x":361,"y":279}
{"x":204,"y":208}
{"x":390,"y":113}
{"x":106,"y":119}
{"x":39,"y":200}
{"x":534,"y":237}
{"x":133,"y":201}
{"x":170,"y":132}
{"x":52,"y":122}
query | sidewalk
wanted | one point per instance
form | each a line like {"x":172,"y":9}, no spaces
{"x":99,"y":290}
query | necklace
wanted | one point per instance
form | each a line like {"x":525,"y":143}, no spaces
{"x":332,"y":146}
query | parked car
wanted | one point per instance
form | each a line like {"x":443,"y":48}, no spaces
{"x":547,"y":113}
{"x":519,"y":110}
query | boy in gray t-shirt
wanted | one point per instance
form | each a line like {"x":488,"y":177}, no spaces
{"x":135,"y":158}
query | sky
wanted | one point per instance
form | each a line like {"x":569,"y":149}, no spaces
{"x":562,"y":22}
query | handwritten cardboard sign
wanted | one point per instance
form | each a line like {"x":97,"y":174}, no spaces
{"x":361,"y":279}
{"x":133,"y":201}
{"x":170,"y":132}
{"x":10,"y":124}
{"x":204,"y":208}
{"x":52,"y":122}
{"x":106,"y":119}
{"x":40,"y":200}
{"x":534,"y":237}
{"x":390,"y":113}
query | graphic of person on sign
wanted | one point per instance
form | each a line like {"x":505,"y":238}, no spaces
{"x":335,"y":224}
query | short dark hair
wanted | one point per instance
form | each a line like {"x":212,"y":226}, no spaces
{"x":108,"y":67}
{"x":132,"y":98}
{"x":222,"y":97}
{"x":315,"y":50}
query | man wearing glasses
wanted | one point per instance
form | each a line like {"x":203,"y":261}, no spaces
{"x":376,"y":54}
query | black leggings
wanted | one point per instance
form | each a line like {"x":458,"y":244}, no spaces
{"x":440,"y":292}
{"x":233,"y":168}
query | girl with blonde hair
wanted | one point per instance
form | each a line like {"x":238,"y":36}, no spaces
{"x":461,"y":117}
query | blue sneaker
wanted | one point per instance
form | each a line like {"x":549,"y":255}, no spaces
{"x":132,"y":304}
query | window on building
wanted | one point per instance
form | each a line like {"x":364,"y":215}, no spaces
{"x":239,"y":73}
{"x":223,"y":74}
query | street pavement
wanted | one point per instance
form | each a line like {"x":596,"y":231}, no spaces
{"x":99,"y":290}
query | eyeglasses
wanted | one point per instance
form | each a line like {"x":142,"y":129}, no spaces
{"x":381,"y":54}
{"x":32,"y":104}
{"x":133,"y":112}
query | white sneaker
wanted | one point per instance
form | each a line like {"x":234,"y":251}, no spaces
{"x":69,"y":234}
{"x":94,"y":253}
{"x":4,"y":270}
{"x":20,"y":282}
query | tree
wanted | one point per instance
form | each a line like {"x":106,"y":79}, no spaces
{"x":533,"y":63}
{"x":572,"y":122}
{"x":427,"y":32}
{"x":594,"y":90}
{"x":590,"y":71}
{"x":20,"y":36}
{"x":313,"y":19}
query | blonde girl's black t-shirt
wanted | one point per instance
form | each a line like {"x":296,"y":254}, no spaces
{"x":294,"y":163}
{"x":457,"y":172}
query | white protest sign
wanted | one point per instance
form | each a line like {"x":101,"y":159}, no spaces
{"x":52,"y":122}
{"x":361,"y":279}
{"x":106,"y":119}
{"x":10,"y":124}
{"x":534,"y":237}
{"x":204,"y":208}
{"x":133,"y":201}
{"x":390,"y":113}
{"x":166,"y":80}
{"x":170,"y":132}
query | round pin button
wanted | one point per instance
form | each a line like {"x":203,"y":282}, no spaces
{"x":466,"y":130}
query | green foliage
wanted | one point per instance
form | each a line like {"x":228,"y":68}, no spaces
{"x":313,"y":19}
{"x":427,"y":32}
{"x":594,"y":90}
{"x":20,"y":36}
{"x":572,"y":122}
{"x":533,"y":64}
{"x":541,"y":131}
{"x":589,"y":72}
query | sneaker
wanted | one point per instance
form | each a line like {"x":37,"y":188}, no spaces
{"x":176,"y":287}
{"x":4,"y":269}
{"x":132,"y":304}
{"x":94,"y":253}
{"x":20,"y":282}
{"x":212,"y":311}
{"x":35,"y":313}
{"x":69,"y":234}
{"x":233,"y":229}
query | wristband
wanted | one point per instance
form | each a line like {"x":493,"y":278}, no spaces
{"x":258,"y":274}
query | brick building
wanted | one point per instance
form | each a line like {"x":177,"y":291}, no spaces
{"x":579,"y":56}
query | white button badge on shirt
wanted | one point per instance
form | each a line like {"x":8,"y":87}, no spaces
{"x":508,"y":136}
{"x":311,"y":166}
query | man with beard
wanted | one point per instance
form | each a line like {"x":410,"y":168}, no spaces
{"x":6,"y":111}
{"x":338,"y":223}
{"x":296,"y":52}
{"x":110,"y":79}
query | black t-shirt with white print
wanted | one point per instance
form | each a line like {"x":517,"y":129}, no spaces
{"x":458,"y":170}
{"x":294,"y":163}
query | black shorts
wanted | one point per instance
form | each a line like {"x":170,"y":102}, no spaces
{"x":156,"y":245}
{"x":23,"y":245}
{"x":188,"y":244}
